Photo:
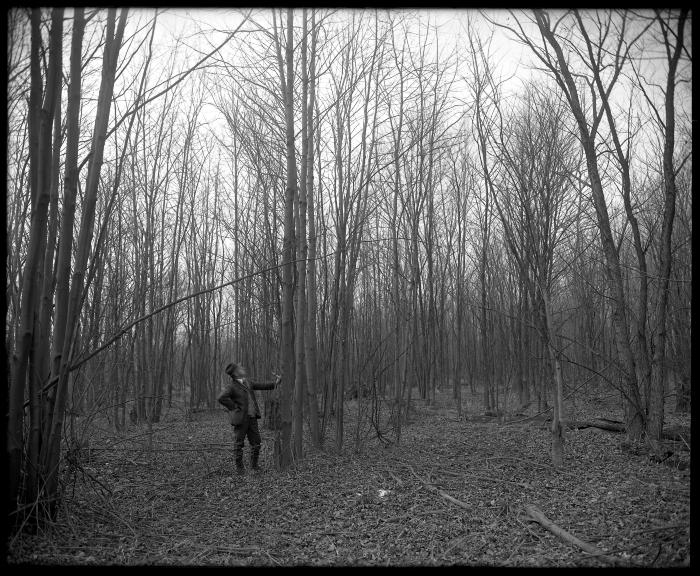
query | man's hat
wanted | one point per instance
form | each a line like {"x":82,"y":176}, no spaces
{"x":230,"y":369}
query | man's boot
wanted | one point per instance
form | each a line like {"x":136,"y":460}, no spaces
{"x":254,"y":457}
{"x":238,"y":456}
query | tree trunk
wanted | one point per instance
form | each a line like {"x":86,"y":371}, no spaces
{"x":41,"y":120}
{"x":301,"y":207}
{"x":111,"y":55}
{"x":635,"y":413}
{"x":656,"y":400}
{"x":311,"y":304}
{"x":283,"y":456}
{"x":558,"y":394}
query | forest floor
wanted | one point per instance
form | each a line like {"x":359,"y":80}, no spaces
{"x":453,"y":491}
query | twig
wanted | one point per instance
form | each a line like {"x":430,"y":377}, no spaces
{"x":487,"y":478}
{"x":549,"y":467}
{"x":445,"y":495}
{"x":395,"y":477}
{"x":520,"y":543}
{"x":402,"y":516}
{"x":644,"y":530}
{"x":117,"y":516}
{"x":546,"y":466}
{"x":684,"y":441}
{"x":660,"y":528}
{"x":456,"y":542}
{"x":242,"y":550}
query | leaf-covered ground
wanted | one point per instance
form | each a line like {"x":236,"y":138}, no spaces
{"x":452,"y":492}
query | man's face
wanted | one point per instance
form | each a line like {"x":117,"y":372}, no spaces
{"x":240,"y":372}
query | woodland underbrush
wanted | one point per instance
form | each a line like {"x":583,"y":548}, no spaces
{"x":452,"y":491}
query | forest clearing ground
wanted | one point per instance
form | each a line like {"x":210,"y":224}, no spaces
{"x":180,"y":503}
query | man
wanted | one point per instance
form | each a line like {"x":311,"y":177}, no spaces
{"x":239,"y":397}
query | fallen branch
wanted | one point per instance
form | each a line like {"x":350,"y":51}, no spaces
{"x":115,"y":449}
{"x":602,"y":423}
{"x":538,"y":516}
{"x":445,"y":495}
{"x":678,"y":433}
{"x":675,"y":433}
{"x":235,"y":550}
{"x":685,"y":526}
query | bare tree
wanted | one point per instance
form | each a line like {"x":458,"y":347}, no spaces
{"x":64,"y":341}
{"x":539,"y":158}
{"x":555,"y":60}
{"x":40,"y":126}
{"x":283,"y":447}
{"x":673,"y":42}
{"x":311,"y":304}
{"x":480,"y":85}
